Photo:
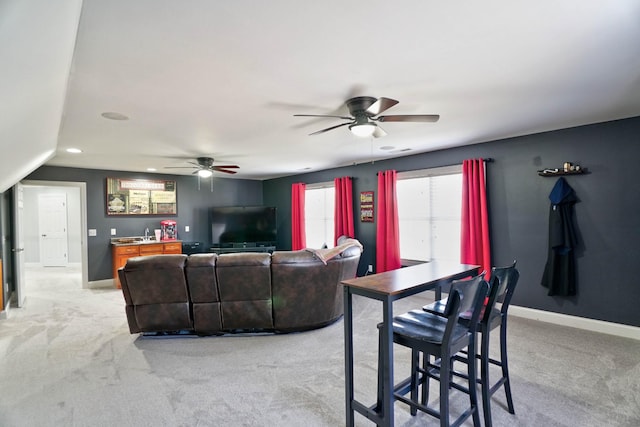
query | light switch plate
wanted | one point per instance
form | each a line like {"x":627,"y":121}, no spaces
{"x":93,"y":232}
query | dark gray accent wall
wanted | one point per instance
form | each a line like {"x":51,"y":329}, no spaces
{"x":193,"y":207}
{"x":607,"y":215}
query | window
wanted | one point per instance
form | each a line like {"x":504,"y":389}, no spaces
{"x":429,"y":212}
{"x":318,"y":215}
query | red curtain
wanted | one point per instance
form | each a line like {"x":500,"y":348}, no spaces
{"x":387,"y":229}
{"x":298,"y":236}
{"x":343,"y":209}
{"x":474,"y":244}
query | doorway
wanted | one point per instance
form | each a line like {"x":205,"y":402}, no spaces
{"x":66,"y":251}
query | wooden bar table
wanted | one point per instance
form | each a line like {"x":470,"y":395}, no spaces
{"x":388,"y":287}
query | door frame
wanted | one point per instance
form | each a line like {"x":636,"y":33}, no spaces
{"x":18,"y":245}
{"x":82,"y":186}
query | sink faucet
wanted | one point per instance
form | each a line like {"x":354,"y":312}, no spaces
{"x":146,"y":233}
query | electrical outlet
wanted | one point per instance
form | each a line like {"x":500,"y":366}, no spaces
{"x":186,"y":228}
{"x":113,"y":231}
{"x":370,"y":268}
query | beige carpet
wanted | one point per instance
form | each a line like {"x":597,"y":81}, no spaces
{"x":67,"y":359}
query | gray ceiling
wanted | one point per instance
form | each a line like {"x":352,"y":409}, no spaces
{"x":224,"y":78}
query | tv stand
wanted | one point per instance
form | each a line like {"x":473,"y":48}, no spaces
{"x":221,"y":251}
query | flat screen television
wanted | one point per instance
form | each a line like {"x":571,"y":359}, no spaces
{"x":243,"y":226}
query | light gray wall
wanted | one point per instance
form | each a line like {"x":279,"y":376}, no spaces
{"x":31,"y":222}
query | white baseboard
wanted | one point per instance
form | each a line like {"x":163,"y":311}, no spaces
{"x":601,"y":326}
{"x":101,"y":284}
{"x":28,"y":265}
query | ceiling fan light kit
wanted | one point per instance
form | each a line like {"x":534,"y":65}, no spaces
{"x":365,"y":112}
{"x":363,"y":130}
{"x":204,"y":173}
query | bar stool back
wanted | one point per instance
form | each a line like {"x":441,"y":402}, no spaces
{"x":503,"y":284}
{"x":440,"y":336}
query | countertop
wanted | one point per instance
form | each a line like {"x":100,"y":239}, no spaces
{"x":130,"y":241}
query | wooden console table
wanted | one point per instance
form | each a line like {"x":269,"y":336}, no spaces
{"x":388,"y":287}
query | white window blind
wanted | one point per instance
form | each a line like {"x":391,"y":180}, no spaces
{"x":318,"y":215}
{"x":429,"y":212}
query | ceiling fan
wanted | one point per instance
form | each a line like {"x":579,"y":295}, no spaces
{"x":365,"y":112}
{"x":205,"y":168}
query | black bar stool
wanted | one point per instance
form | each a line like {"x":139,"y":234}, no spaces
{"x":503,"y":284}
{"x":442,"y":336}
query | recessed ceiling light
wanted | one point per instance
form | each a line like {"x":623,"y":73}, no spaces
{"x":152,"y":169}
{"x":74,"y":150}
{"x":387,"y":147}
{"x":114,"y":116}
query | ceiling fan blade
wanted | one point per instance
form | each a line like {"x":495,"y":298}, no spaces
{"x":222,"y":168}
{"x":331,"y":128}
{"x":382,"y":104}
{"x":379,"y":132}
{"x":225,"y":171}
{"x":425,"y":118}
{"x":323,"y":115}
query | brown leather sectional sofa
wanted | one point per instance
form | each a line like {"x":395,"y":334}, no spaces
{"x":209,"y":294}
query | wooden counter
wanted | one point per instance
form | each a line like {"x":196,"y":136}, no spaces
{"x":121,"y":252}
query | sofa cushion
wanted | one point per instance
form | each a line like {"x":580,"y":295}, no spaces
{"x":158,"y":279}
{"x":244,"y":276}
{"x":306,"y":292}
{"x":205,"y":295}
{"x":159,"y":298}
{"x":201,"y":277}
{"x":244,"y":281}
{"x":247,"y":315}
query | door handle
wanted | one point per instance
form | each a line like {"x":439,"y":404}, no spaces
{"x":17,"y":250}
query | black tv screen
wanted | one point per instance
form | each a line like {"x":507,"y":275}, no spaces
{"x":250,"y":225}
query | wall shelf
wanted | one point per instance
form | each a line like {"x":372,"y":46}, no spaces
{"x":561,"y":172}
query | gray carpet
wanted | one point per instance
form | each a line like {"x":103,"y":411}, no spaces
{"x":67,"y":359}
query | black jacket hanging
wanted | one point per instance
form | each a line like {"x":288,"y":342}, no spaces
{"x":560,"y":271}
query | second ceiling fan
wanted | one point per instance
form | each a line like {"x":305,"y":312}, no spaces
{"x":365,"y":113}
{"x":204,"y":167}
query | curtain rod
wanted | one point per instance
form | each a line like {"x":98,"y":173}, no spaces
{"x":487,"y":160}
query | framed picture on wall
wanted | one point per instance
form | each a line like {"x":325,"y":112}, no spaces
{"x":141,"y":197}
{"x":366,"y":206}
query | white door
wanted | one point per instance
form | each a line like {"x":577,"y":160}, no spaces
{"x":18,"y":242}
{"x":52,"y":220}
